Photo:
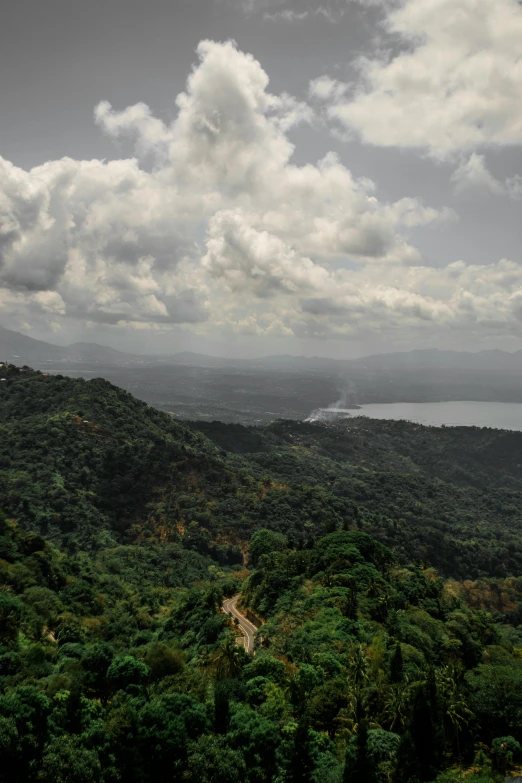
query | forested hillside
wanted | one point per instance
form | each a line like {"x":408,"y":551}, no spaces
{"x":86,"y":464}
{"x":378,"y":660}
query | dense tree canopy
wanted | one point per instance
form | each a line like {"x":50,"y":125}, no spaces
{"x":123,"y":532}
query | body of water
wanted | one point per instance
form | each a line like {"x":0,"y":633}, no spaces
{"x":499,"y":415}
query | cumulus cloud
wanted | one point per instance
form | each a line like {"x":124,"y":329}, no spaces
{"x":92,"y":238}
{"x":472,"y":299}
{"x":248,"y":258}
{"x":455,"y":86}
{"x":213,"y":225}
{"x":476,"y":299}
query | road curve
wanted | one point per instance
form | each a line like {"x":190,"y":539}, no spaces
{"x":248,"y":628}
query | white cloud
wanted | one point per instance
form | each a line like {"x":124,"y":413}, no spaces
{"x":50,"y":302}
{"x":474,"y":175}
{"x":290,"y":15}
{"x":311,"y":301}
{"x":252,"y":259}
{"x":288,"y":249}
{"x":324,"y":88}
{"x":455,"y":86}
{"x":92,"y":238}
{"x":149,"y":132}
{"x":287,"y":15}
{"x":229,"y":132}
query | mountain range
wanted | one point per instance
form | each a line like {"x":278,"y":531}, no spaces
{"x":20,"y":349}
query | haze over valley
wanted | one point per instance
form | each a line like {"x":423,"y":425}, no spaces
{"x":199,"y":387}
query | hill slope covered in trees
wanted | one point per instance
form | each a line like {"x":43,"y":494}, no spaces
{"x":86,"y":464}
{"x":123,"y":530}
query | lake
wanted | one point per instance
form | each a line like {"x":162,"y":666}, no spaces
{"x":499,"y":415}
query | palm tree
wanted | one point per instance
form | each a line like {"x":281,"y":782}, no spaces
{"x":228,"y":660}
{"x":397,"y":707}
{"x":456,"y":714}
{"x":358,"y":677}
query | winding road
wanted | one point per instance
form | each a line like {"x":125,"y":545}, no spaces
{"x":248,"y":628}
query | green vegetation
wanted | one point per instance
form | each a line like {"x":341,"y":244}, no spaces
{"x":448,"y":497}
{"x":123,"y":531}
{"x":87,"y":465}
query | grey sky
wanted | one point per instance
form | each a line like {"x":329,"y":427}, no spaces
{"x":61,"y":57}
{"x":193,"y":287}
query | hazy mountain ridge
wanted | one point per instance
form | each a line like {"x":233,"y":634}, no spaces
{"x":15,"y":345}
{"x":198,"y":387}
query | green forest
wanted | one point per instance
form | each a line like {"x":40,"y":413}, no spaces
{"x":381,"y":561}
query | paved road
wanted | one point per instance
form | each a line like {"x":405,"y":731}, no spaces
{"x":248,"y":628}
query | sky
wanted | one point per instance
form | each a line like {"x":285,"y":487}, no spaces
{"x":253,"y":177}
